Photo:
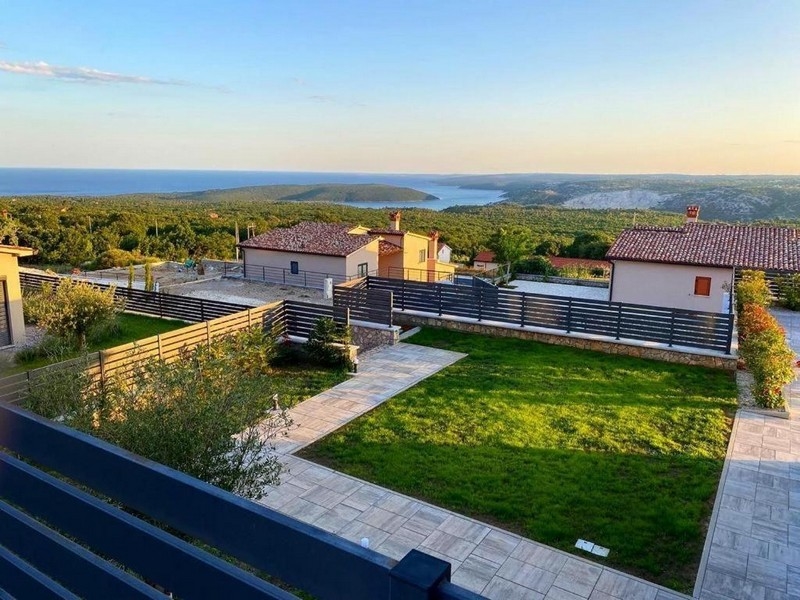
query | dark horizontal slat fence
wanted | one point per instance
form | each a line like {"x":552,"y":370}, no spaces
{"x":107,"y":546}
{"x":675,"y":327}
{"x":183,"y":308}
{"x":302,"y":316}
{"x":365,"y":304}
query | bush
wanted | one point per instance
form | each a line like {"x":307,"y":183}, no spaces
{"x":327,"y":344}
{"x":71,"y":310}
{"x":115,"y":258}
{"x":537,"y":265}
{"x":789,"y":291}
{"x":53,"y":348}
{"x":752,"y":289}
{"x":765,"y":351}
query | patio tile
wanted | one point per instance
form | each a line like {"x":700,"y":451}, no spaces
{"x":578,"y":576}
{"x":502,"y":589}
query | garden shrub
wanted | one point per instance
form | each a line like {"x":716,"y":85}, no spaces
{"x":537,"y":265}
{"x":765,"y":351}
{"x":752,"y":289}
{"x":325,"y":344}
{"x":114,"y":257}
{"x":789,"y":291}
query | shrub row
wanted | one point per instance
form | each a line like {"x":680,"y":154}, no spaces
{"x":762,"y":341}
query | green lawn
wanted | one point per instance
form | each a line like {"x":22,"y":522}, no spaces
{"x":131,"y":328}
{"x":556,"y":444}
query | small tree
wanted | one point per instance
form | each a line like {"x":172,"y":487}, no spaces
{"x":511,"y":244}
{"x":149,"y":282}
{"x":131,"y":276}
{"x":327,"y":344}
{"x":72,"y":309}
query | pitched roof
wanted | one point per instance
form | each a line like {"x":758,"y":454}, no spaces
{"x":560,"y":262}
{"x":380,"y":231}
{"x":711,"y":244}
{"x":441,"y":245}
{"x":330,"y":239}
{"x":386,"y":248}
{"x":485,"y":256}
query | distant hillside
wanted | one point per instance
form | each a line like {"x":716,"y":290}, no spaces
{"x":720,"y":197}
{"x":333,"y":192}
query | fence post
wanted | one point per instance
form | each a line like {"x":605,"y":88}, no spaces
{"x":522,"y":313}
{"x":101,"y":355}
{"x":391,"y":308}
{"x":480,"y":303}
{"x":160,"y":306}
{"x":730,"y":334}
{"x":202,"y":310}
{"x":671,"y":326}
{"x":439,"y":296}
{"x":208,"y":333}
{"x":402,"y":294}
{"x":569,"y":315}
{"x":619,"y":318}
{"x":417,"y":576}
{"x":160,"y":351}
{"x":249,"y":317}
{"x":284,"y":275}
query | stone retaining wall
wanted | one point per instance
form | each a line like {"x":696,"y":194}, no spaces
{"x":608,"y":346}
{"x":599,"y":283}
{"x":367,"y":338}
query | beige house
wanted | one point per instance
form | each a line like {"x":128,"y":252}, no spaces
{"x":485,"y":260}
{"x":12,"y":322}
{"x":693,"y":266}
{"x":309,"y":253}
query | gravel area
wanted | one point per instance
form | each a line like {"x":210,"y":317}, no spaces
{"x":560,"y":289}
{"x":33,"y":335}
{"x":250,"y":293}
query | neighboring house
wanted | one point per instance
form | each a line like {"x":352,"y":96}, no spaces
{"x":444,"y":253}
{"x":561,"y":262}
{"x":12,"y":322}
{"x":485,"y":261}
{"x":308,"y":253}
{"x":693,"y":266}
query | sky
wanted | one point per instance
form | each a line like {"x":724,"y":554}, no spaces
{"x":449,"y":86}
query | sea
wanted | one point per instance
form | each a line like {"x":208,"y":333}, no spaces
{"x":109,"y":182}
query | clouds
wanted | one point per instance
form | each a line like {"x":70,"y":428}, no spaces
{"x":81,"y":74}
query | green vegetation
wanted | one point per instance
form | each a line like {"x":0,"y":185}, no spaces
{"x":210,"y":413}
{"x":94,"y":232}
{"x":128,"y":328}
{"x":557,"y":444}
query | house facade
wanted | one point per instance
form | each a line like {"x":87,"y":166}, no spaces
{"x":309,"y":253}
{"x":693,"y":266}
{"x":12,"y":321}
{"x":485,"y":261}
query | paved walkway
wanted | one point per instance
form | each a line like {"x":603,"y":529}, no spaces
{"x":382,"y":373}
{"x":485,"y":559}
{"x":790,"y":321}
{"x":753,"y":545}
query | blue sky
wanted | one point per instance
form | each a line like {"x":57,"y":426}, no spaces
{"x":435,"y":87}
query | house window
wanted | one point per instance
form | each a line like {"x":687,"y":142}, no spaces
{"x":295,"y":267}
{"x":363,"y":269}
{"x":702,"y":286}
{"x":423,"y":255}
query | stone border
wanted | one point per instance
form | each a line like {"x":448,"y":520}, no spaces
{"x":628,"y":348}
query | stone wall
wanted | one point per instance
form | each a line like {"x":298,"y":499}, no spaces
{"x":608,"y":346}
{"x":368,"y":337}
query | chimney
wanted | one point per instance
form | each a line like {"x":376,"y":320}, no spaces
{"x":692,"y":213}
{"x":394,"y":217}
{"x":433,"y":244}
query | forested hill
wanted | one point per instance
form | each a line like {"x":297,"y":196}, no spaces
{"x":331,"y":192}
{"x":728,"y":198}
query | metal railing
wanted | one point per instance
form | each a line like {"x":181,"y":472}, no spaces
{"x":299,"y":278}
{"x":68,"y":543}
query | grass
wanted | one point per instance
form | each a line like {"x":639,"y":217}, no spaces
{"x":556,"y":444}
{"x":130,"y":328}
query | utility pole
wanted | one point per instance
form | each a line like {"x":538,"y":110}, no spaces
{"x":156,"y":227}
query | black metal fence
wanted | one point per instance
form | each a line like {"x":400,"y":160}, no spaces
{"x":298,"y":278}
{"x":183,"y":308}
{"x":675,"y":327}
{"x":301,"y":317}
{"x":68,"y":543}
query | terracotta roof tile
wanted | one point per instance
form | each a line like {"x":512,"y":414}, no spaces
{"x":330,"y":239}
{"x":711,"y":244}
{"x":561,"y":261}
{"x":485,"y":256}
{"x":386,"y":248}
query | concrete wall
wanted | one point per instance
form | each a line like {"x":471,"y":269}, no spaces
{"x":669,"y":285}
{"x":715,"y":361}
{"x":9,"y":271}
